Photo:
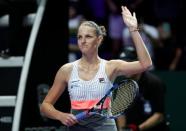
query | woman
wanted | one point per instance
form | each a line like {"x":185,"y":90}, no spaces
{"x":89,"y":77}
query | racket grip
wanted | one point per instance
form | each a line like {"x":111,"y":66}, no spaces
{"x":81,"y":115}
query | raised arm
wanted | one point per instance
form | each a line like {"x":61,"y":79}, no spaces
{"x":119,"y":67}
{"x":131,"y":22}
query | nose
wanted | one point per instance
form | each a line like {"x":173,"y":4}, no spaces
{"x":83,"y":40}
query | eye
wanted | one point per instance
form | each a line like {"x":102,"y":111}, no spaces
{"x":88,"y":36}
{"x":79,"y":37}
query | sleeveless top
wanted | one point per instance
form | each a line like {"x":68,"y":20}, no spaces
{"x":85,"y":94}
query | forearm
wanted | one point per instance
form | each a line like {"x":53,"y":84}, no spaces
{"x":151,"y":122}
{"x":49,"y":111}
{"x":132,"y":24}
{"x":142,"y":52}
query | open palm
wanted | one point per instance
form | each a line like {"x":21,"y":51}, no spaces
{"x":129,"y":19}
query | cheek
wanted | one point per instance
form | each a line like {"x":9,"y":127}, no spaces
{"x":96,"y":45}
{"x":93,"y":45}
{"x":79,"y":44}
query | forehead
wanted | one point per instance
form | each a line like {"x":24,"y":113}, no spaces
{"x":86,"y":29}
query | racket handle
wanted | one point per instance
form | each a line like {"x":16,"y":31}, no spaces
{"x":81,"y":115}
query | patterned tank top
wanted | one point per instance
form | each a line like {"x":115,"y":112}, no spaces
{"x":85,"y":94}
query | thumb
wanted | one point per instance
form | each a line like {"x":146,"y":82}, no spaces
{"x":134,"y":14}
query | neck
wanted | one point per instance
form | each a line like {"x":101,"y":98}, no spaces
{"x":89,"y":65}
{"x":90,"y":60}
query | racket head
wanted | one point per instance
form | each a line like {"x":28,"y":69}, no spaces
{"x":123,"y":97}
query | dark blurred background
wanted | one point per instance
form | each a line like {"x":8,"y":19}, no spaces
{"x":162,"y":26}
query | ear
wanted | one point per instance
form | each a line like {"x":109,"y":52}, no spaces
{"x":100,"y":39}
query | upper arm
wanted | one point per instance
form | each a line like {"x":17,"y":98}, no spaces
{"x":120,"y":67}
{"x":59,"y":84}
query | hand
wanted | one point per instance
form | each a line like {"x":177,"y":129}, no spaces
{"x":129,"y":19}
{"x":132,"y":127}
{"x":67,"y":119}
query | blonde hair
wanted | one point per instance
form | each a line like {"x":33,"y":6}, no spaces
{"x":100,"y":30}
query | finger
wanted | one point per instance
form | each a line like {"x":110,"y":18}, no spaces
{"x":122,"y":8}
{"x":125,"y":14}
{"x":127,"y":10}
{"x":134,"y":15}
{"x":69,"y":123}
{"x":74,"y":119}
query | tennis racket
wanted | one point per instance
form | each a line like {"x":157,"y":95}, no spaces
{"x":122,"y":95}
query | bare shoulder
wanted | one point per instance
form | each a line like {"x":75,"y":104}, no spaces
{"x":66,"y":68}
{"x":65,"y":71}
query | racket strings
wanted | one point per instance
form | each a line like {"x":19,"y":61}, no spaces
{"x":123,"y":97}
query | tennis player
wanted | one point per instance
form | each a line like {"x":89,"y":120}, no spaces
{"x":90,"y":77}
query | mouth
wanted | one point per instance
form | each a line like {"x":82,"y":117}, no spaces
{"x":84,"y":46}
